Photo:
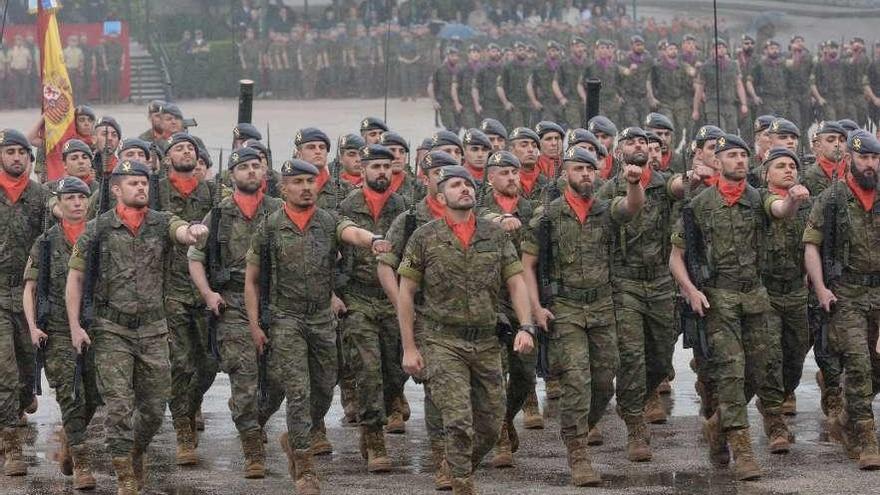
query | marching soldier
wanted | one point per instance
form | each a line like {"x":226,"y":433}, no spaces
{"x":580,"y":320}
{"x":403,"y":181}
{"x":638,"y":66}
{"x":543,"y":100}
{"x":449,"y":143}
{"x":53,"y":334}
{"x":22,"y":206}
{"x":551,"y":135}
{"x":302,"y":241}
{"x":348,"y":151}
{"x":705,"y":90}
{"x":524,"y":143}
{"x":855,"y":71}
{"x":477,"y":148}
{"x":129,"y":333}
{"x":783,"y":133}
{"x":239,"y":216}
{"x":605,"y":131}
{"x":827,"y":82}
{"x":462,"y":253}
{"x":767,"y":83}
{"x":462,"y":84}
{"x":372,"y":129}
{"x":511,"y":87}
{"x":495,"y":131}
{"x":313,"y":146}
{"x":606,"y":70}
{"x":155,"y":134}
{"x":800,"y":66}
{"x":662,"y":126}
{"x":440,"y":90}
{"x":670,"y":85}
{"x":484,"y":91}
{"x":108,"y":133}
{"x":566,"y":83}
{"x":829,"y":146}
{"x":77,"y":158}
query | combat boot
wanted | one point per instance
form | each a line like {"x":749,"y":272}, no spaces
{"x":442,"y":474}
{"x":869,"y":457}
{"x":186,"y":442}
{"x":126,"y":484}
{"x":553,"y":388}
{"x":664,"y":388}
{"x":745,"y":467}
{"x":139,"y":464}
{"x":832,"y":402}
{"x":718,"y":452}
{"x":638,"y":439}
{"x":403,"y":405}
{"x":789,"y":404}
{"x":319,"y":442}
{"x":595,"y":437}
{"x":14,"y":464}
{"x":582,"y":473}
{"x":654,"y":411}
{"x":32,"y":407}
{"x":377,"y":456}
{"x":532,"y":419}
{"x":396,"y":421}
{"x":64,"y":456}
{"x":83,"y":479}
{"x":291,"y":461}
{"x":503,"y":457}
{"x":841,"y":430}
{"x":778,"y":434}
{"x":199,"y":420}
{"x":254,"y":455}
{"x":463,"y":486}
{"x":348,"y":397}
{"x":306,"y":478}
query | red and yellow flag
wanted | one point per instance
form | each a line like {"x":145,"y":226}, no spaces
{"x":59,"y":123}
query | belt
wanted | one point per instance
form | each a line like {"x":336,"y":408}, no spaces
{"x":583,"y":296}
{"x":864,"y":279}
{"x":130,"y":321}
{"x":640,"y":273}
{"x":302,"y":307}
{"x":354,"y":287}
{"x":722,"y":282}
{"x":779,"y":286}
{"x":469,"y":333}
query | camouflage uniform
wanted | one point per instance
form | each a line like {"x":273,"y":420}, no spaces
{"x":609,"y":97}
{"x":854,"y":75}
{"x":303,"y":354}
{"x":799,"y":106}
{"x":829,"y":80}
{"x":736,"y":322}
{"x":729,"y":100}
{"x":237,"y":357}
{"x":643,"y":294}
{"x":542,"y":83}
{"x":465,"y":81}
{"x":192,"y":366}
{"x":442,"y":80}
{"x":486,"y":83}
{"x":20,"y":224}
{"x":635,"y":91}
{"x":371,"y":331}
{"x":332,"y":194}
{"x":770,"y":80}
{"x":673,"y":88}
{"x":461,"y":289}
{"x":583,"y":340}
{"x":513,"y":79}
{"x":568,"y":77}
{"x":59,"y":354}
{"x":130,"y":333}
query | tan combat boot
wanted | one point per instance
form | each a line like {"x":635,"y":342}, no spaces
{"x":869,"y":457}
{"x":654,"y":411}
{"x":442,"y":474}
{"x":396,"y":417}
{"x":403,"y":405}
{"x":582,"y":473}
{"x":789,"y":404}
{"x":254,"y":455}
{"x":532,"y":419}
{"x":291,"y":462}
{"x":595,"y":437}
{"x":126,"y":484}
{"x":745,"y":467}
{"x":306,"y":478}
{"x":83,"y":479}
{"x":463,"y":486}
{"x":718,"y":452}
{"x":14,"y":464}
{"x":186,"y":442}
{"x":841,"y":430}
{"x":664,"y":388}
{"x":64,"y":456}
{"x":319,"y":442}
{"x":503,"y":457}
{"x":638,"y":439}
{"x":832,"y":402}
{"x":373,"y":440}
{"x":778,"y":434}
{"x":139,"y":464}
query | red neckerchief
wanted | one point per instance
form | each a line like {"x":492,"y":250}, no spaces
{"x":88,"y":139}
{"x":88,"y":179}
{"x":528,"y":178}
{"x":476,"y":173}
{"x":111,"y":163}
{"x":396,"y":181}
{"x":710,"y":181}
{"x":829,"y":167}
{"x":321,"y":179}
{"x":72,"y":230}
{"x":376,"y":200}
{"x":507,"y":203}
{"x":437,"y":210}
{"x":664,"y":162}
{"x":131,"y":217}
{"x":865,"y":196}
{"x":248,"y":203}
{"x":606,"y":167}
{"x":731,"y":191}
{"x":547,"y":165}
{"x":778,"y":191}
{"x":184,"y":185}
{"x":354,"y":180}
{"x":13,"y":186}
{"x":464,"y":231}
{"x":646,"y":176}
{"x":300,"y":218}
{"x":579,"y":205}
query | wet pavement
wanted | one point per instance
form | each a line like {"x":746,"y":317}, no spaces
{"x":680,"y":465}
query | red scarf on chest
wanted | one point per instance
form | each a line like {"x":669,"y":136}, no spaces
{"x":132,"y":218}
{"x":376,"y":201}
{"x":463,"y":231}
{"x":72,"y":231}
{"x":248,"y":203}
{"x":579,"y":205}
{"x":528,"y":178}
{"x":865,"y":196}
{"x":507,"y":203}
{"x":13,"y":186}
{"x":184,"y":185}
{"x":731,"y":191}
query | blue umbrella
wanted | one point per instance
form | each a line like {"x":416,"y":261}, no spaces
{"x":456,"y":30}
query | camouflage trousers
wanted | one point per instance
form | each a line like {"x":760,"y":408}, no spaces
{"x":519,"y":374}
{"x":466,"y":383}
{"x":372,"y":338}
{"x":789,"y":335}
{"x":852,"y":335}
{"x":16,"y":367}
{"x":60,"y":367}
{"x":828,"y":362}
{"x":728,"y":116}
{"x":193,"y":368}
{"x":433,"y":416}
{"x":449,"y":118}
{"x":646,"y":337}
{"x":468,"y":116}
{"x":134,"y":380}
{"x":303,"y":361}
{"x":520,"y":116}
{"x":634,"y":110}
{"x":680,"y":112}
{"x":573,"y":113}
{"x":238,"y":359}
{"x":740,"y":350}
{"x":775,"y":105}
{"x":855,"y":107}
{"x":583,"y":354}
{"x":551,"y":111}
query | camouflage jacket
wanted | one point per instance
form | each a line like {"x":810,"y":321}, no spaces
{"x":785,"y":249}
{"x":513,"y":79}
{"x":815,"y":180}
{"x":671,"y":84}
{"x":770,"y":79}
{"x":632,"y":82}
{"x":396,"y":233}
{"x":59,"y":250}
{"x":828,"y":77}
{"x":486,"y":81}
{"x":333,"y":193}
{"x":20,"y":224}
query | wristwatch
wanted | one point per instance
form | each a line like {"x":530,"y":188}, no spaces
{"x":376,"y":237}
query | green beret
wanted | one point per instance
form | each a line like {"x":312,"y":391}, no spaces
{"x":74,"y":145}
{"x":492,"y":126}
{"x":445,"y":138}
{"x":374,"y":152}
{"x":632,"y":133}
{"x":862,"y":142}
{"x":182,"y":137}
{"x":524,"y":133}
{"x":292,"y":168}
{"x":242,"y":155}
{"x":729,"y":142}
{"x":580,"y":155}
{"x":546,"y":126}
{"x":784,"y":126}
{"x":351,"y":142}
{"x":455,"y":171}
{"x":763,"y":122}
{"x":603,"y":124}
{"x":373,"y":123}
{"x":390,"y":138}
{"x":476,"y":137}
{"x":707,"y":133}
{"x":131,"y":167}
{"x":503,"y":159}
{"x":310,"y":134}
{"x":135,"y":143}
{"x":111,"y":122}
{"x":72,"y":185}
{"x":435,"y":159}
{"x":245,"y":131}
{"x":656,"y":120}
{"x":779,"y":152}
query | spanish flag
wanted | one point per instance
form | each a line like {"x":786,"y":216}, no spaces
{"x":59,"y":123}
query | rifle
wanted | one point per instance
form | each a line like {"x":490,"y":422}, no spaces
{"x":692,"y":324}
{"x":44,"y":277}
{"x":245,"y":102}
{"x":39,"y":361}
{"x":546,"y":286}
{"x":78,"y":374}
{"x":93,"y":259}
{"x":154,"y":180}
{"x":265,"y":283}
{"x":832,"y":267}
{"x":271,"y":182}
{"x":591,"y":106}
{"x":218,"y":273}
